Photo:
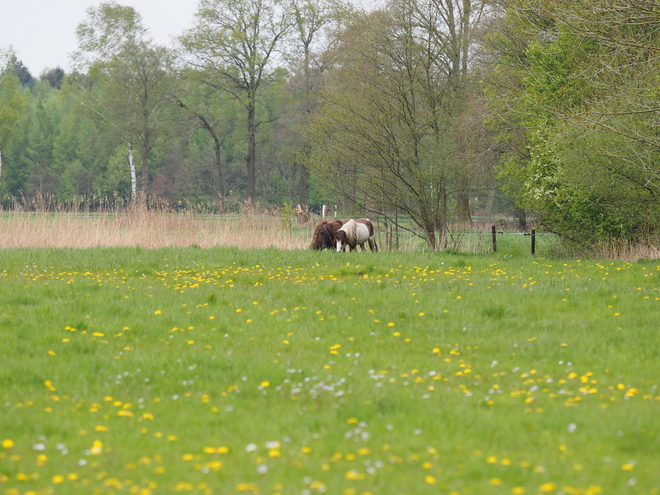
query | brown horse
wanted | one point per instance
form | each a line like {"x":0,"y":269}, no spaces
{"x":324,"y":234}
{"x":354,"y":233}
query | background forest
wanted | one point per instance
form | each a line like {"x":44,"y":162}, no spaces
{"x":435,"y":111}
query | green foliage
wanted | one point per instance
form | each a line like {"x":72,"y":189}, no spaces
{"x":12,"y":106}
{"x":580,"y":153}
{"x":54,"y":77}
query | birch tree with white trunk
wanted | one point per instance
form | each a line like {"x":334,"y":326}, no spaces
{"x":127,"y":82}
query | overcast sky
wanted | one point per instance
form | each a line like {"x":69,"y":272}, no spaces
{"x":43,"y":32}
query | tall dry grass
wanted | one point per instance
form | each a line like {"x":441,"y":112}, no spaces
{"x":252,"y":228}
{"x":141,"y":227}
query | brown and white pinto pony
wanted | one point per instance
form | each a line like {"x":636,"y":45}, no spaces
{"x":354,"y":233}
{"x":324,"y":234}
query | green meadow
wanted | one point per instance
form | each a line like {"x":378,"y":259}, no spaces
{"x":222,"y":371}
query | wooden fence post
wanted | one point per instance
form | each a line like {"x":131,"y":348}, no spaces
{"x":494,"y":238}
{"x":388,"y":238}
{"x":533,"y":241}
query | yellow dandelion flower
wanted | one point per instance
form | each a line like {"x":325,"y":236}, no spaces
{"x":496,"y":482}
{"x":7,"y":443}
{"x":430,"y":480}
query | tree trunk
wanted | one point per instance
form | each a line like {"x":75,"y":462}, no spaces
{"x":303,"y":186}
{"x":464,"y":208}
{"x":488,"y":209}
{"x":251,"y":149}
{"x":131,"y":166}
{"x":145,"y":173}
{"x":218,"y":166}
{"x":430,"y":239}
{"x":145,"y":168}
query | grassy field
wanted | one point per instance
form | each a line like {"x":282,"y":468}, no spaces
{"x":220,"y":370}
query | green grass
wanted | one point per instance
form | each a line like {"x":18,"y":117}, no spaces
{"x":296,"y":372}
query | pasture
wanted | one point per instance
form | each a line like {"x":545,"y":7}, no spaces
{"x":267,"y":371}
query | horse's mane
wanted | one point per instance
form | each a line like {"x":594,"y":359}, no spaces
{"x":349,"y":229}
{"x":325,"y":231}
{"x":315,"y":235}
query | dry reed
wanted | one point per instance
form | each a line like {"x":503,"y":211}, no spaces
{"x":152,"y":228}
{"x":147,"y":229}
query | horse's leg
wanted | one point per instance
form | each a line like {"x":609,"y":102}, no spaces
{"x":372,"y":244}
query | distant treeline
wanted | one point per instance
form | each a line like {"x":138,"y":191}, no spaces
{"x":434,"y":111}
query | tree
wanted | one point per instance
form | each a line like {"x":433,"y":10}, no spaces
{"x":20,"y":71}
{"x":129,"y":83}
{"x":576,"y":91}
{"x":385,"y":136}
{"x":309,"y":18}
{"x":12,"y":103}
{"x":54,"y":77}
{"x":210,"y":112}
{"x":235,"y":44}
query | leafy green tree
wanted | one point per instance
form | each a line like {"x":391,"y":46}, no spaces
{"x":20,"y":71}
{"x":235,"y":43}
{"x":575,"y":90}
{"x":126,"y":81}
{"x":54,"y":77}
{"x":309,"y":19}
{"x":12,"y":103}
{"x":212,"y":111}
